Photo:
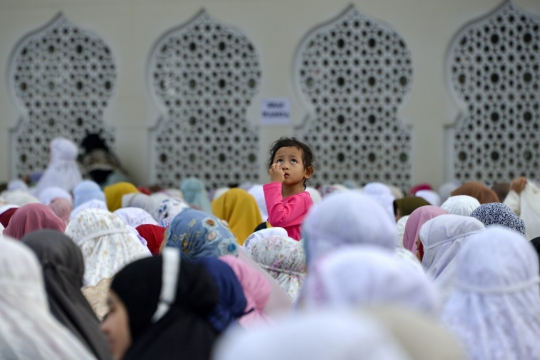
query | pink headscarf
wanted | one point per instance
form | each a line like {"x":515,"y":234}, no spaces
{"x":33,"y":217}
{"x":256,"y":290}
{"x":62,"y":208}
{"x":418,"y":218}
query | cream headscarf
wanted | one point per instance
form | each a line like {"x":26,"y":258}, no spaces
{"x":105,"y":242}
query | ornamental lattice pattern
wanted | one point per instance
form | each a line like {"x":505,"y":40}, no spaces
{"x":204,"y":75}
{"x":62,"y":78}
{"x":355,"y":72}
{"x":494,"y":71}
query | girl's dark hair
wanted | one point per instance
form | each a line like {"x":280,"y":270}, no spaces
{"x":307,"y":155}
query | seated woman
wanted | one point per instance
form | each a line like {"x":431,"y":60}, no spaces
{"x":163,"y":319}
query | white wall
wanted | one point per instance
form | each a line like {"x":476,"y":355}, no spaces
{"x":130,"y":28}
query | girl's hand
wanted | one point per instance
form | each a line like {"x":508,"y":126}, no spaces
{"x":276,"y":174}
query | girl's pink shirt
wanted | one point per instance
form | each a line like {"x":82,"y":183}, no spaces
{"x":287,"y":213}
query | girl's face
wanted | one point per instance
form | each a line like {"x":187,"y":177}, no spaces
{"x":292,"y":164}
{"x":116,"y":326}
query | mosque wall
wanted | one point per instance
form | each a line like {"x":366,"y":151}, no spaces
{"x":276,"y":30}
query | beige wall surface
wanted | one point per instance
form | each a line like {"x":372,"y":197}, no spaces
{"x":276,"y":27}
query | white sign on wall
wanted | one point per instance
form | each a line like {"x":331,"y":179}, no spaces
{"x":275,"y":111}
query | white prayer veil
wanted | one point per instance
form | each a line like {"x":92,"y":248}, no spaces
{"x":460,"y":205}
{"x":430,"y":196}
{"x":27,"y":329}
{"x":258,"y":194}
{"x":19,"y":197}
{"x":382,"y":194}
{"x":346,"y":218}
{"x":92,"y":204}
{"x":315,"y":194}
{"x":62,"y":170}
{"x":135,"y":217}
{"x":318,"y":336}
{"x":495,"y":306}
{"x":365,"y":275}
{"x":442,"y":238}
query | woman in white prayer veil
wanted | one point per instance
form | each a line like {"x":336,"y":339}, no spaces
{"x":366,"y":275}
{"x":524,"y":200}
{"x":460,"y":205}
{"x":62,"y":171}
{"x":27,"y":329}
{"x":442,"y":238}
{"x":495,"y":306}
{"x":317,"y":336}
{"x":382,"y":194}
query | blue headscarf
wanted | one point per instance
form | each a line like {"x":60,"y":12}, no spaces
{"x":198,"y":234}
{"x":232,"y":301}
{"x":499,"y":214}
{"x":195,"y":194}
{"x":85,"y":191}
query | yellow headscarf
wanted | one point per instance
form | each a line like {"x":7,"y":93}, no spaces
{"x":240,"y":210}
{"x":114,"y":194}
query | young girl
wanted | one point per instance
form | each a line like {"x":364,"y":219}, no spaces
{"x":287,"y":202}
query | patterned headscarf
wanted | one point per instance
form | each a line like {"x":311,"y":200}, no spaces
{"x":499,"y":214}
{"x":284,"y":259}
{"x":198,"y":234}
{"x":105,"y":243}
{"x":169,"y":208}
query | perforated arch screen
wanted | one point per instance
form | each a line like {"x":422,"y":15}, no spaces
{"x":354,"y":73}
{"x":204,"y":75}
{"x":494,"y":72}
{"x":62,"y":78}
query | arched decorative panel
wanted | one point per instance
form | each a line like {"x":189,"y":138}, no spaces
{"x":493,"y":68}
{"x":203,"y":76}
{"x":353,"y":73}
{"x":61,"y":77}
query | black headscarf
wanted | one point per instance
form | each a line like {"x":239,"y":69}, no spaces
{"x":183,"y":332}
{"x":63,"y":271}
